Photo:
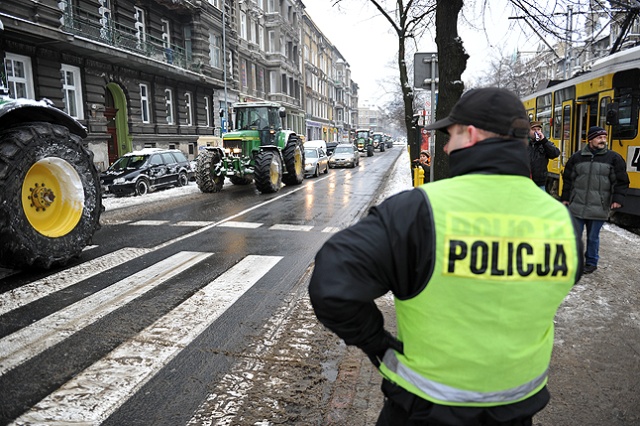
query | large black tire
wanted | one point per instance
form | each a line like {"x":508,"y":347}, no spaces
{"x":50,"y":196}
{"x":382,"y":147}
{"x":240,"y":180}
{"x":369,"y":150}
{"x":293,"y":155}
{"x":268,"y":172}
{"x":207,"y":166}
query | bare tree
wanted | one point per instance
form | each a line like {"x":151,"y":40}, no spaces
{"x":409,"y":19}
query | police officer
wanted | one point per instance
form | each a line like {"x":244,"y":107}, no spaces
{"x":478,"y":265}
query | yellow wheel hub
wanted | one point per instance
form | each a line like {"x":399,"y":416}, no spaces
{"x":52,"y":197}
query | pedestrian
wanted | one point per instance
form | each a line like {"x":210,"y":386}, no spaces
{"x":541,"y":150}
{"x":595,"y":181}
{"x":424,"y":161}
{"x":477,"y":264}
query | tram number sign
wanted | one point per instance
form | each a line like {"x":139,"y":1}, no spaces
{"x":633,"y":159}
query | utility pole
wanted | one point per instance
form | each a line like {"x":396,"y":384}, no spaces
{"x":569,"y":40}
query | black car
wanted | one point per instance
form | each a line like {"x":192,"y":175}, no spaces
{"x":149,"y":169}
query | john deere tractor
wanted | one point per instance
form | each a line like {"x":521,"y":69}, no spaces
{"x":364,"y":141}
{"x":379,"y":141}
{"x":258,"y":150}
{"x":50,"y":194}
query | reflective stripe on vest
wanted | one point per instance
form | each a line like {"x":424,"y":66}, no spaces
{"x":450,"y":394}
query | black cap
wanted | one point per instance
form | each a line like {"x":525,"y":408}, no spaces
{"x":595,"y":131}
{"x":492,"y":108}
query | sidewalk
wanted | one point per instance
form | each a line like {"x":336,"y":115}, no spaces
{"x":595,"y":368}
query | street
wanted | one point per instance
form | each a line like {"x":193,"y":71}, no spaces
{"x":139,"y":329}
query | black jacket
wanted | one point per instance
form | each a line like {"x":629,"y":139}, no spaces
{"x":392,"y":249}
{"x":592,"y":181}
{"x":540,"y":152}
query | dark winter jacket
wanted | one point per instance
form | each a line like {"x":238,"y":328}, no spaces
{"x":347,"y":278}
{"x":592,"y":181}
{"x":540,"y":152}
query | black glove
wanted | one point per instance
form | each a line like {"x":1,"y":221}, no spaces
{"x":376,"y":350}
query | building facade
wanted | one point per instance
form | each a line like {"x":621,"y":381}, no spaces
{"x":162,"y":73}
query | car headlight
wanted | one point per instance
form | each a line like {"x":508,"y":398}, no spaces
{"x":308,"y":164}
{"x":118,"y":181}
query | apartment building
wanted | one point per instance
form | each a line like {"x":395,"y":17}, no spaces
{"x":162,"y":73}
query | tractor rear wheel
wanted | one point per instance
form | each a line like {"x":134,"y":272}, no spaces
{"x":50,"y":196}
{"x":268,"y":172}
{"x":294,"y":162}
{"x":208,"y":176}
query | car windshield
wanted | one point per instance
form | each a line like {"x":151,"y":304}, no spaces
{"x":343,"y":150}
{"x":128,"y":162}
{"x":311,"y":153}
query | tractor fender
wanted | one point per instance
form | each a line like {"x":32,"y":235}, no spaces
{"x":214,"y":149}
{"x":284,"y":136}
{"x":13,"y":112}
{"x":272,"y":148}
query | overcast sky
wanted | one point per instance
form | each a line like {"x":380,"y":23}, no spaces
{"x":365,"y":40}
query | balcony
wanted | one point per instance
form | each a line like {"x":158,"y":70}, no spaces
{"x":92,"y":26}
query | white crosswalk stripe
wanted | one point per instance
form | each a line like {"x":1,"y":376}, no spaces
{"x":28,"y":293}
{"x":285,"y":227}
{"x":28,"y":342}
{"x":94,"y":394}
{"x":237,"y":224}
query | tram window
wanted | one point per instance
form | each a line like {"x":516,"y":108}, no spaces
{"x":543,"y":113}
{"x":627,"y":126}
{"x":602,"y":117}
{"x":557,"y":122}
{"x":566,"y":123}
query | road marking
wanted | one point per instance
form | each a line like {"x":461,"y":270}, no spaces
{"x":285,"y":227}
{"x":195,"y":223}
{"x":33,"y":291}
{"x":30,"y":341}
{"x":95,"y":393}
{"x":331,"y":229}
{"x":237,"y":224}
{"x":149,"y":222}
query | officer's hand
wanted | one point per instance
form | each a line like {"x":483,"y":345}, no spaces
{"x":615,"y":205}
{"x":387,"y":341}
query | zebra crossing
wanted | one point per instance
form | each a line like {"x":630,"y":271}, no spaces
{"x":99,"y":390}
{"x":227,"y":224}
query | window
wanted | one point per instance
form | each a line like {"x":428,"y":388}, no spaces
{"x":261,"y":37}
{"x":188,"y":109}
{"x":207,"y":111}
{"x":243,"y":24}
{"x":144,"y":103}
{"x":215,"y":3}
{"x":105,"y":19}
{"x":168,"y":103}
{"x":215,"y":51}
{"x":271,"y":5}
{"x":72,"y":91}
{"x":243,"y":72}
{"x":188,"y":44}
{"x":140,"y":26}
{"x":166,"y":33}
{"x":19,"y":76}
{"x":272,"y":41}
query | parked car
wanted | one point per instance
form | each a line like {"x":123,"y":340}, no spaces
{"x":316,"y":161}
{"x":345,"y":155}
{"x":146,"y":170}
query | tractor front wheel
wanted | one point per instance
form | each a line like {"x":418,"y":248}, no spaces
{"x":208,"y":176}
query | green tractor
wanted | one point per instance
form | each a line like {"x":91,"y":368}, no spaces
{"x":379,"y":141}
{"x":258,"y":150}
{"x":364,"y":141}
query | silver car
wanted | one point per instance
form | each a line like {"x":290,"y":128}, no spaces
{"x":345,"y":155}
{"x":316,"y":161}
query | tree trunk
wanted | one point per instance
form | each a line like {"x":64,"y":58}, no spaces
{"x":452,"y":61}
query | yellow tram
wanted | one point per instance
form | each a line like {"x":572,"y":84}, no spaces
{"x":607,"y":96}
